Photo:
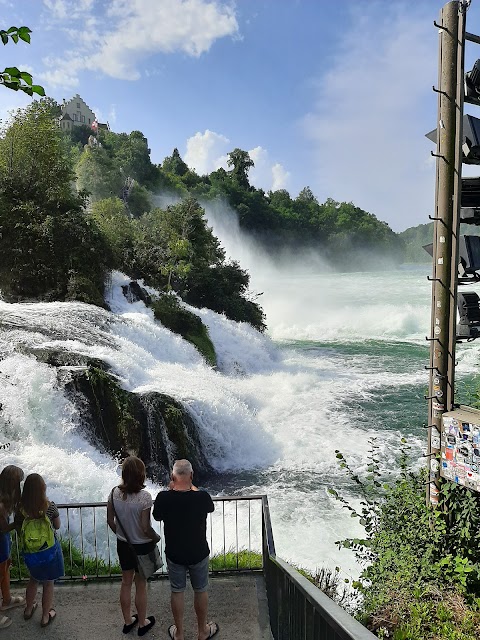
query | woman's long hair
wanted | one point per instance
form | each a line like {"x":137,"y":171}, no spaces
{"x":133,"y":475}
{"x":34,"y":500}
{"x":10,"y":493}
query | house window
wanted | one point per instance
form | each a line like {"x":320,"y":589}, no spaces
{"x":83,"y":118}
{"x":89,"y":121}
{"x":75,"y":116}
{"x":78,"y":105}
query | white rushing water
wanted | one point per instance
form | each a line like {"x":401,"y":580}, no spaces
{"x":343,"y":362}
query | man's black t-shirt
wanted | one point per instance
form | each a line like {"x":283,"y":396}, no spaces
{"x":184,"y":514}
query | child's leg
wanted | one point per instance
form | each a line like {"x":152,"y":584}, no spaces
{"x":47,"y":600}
{"x":5,"y":581}
{"x":31,"y":595}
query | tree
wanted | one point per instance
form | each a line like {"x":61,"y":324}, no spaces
{"x":11,"y":77}
{"x":174,"y":164}
{"x":50,"y":249}
{"x":98,"y":174}
{"x":241,"y":163}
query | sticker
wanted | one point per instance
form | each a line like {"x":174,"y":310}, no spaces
{"x":442,"y":239}
{"x":437,"y":320}
{"x":436,"y":381}
{"x":439,"y":393}
{"x":439,"y":304}
{"x":434,"y":465}
{"x":449,"y":453}
{"x":437,"y":331}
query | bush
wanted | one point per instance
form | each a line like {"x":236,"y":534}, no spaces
{"x":421,"y":565}
{"x":173,"y":316}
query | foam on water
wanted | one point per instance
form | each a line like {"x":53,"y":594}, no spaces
{"x":271,"y":417}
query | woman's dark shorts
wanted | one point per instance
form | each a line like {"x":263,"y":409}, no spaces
{"x":127,"y":558}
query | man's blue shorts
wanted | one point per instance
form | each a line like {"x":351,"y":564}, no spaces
{"x":177,"y":574}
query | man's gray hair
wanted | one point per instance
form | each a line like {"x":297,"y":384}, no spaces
{"x":182,"y":468}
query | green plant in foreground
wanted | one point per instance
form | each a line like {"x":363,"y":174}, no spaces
{"x":420,"y":577}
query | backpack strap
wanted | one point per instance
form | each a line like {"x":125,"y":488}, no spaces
{"x":120,"y":523}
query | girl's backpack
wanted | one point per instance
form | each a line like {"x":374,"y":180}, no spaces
{"x":36,"y":534}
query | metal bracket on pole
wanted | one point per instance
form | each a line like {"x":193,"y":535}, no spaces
{"x":433,"y":217}
{"x":439,"y":375}
{"x":444,"y":93}
{"x":438,"y":155}
{"x":439,"y":26}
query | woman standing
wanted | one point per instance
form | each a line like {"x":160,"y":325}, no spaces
{"x":10,"y":494}
{"x":131,"y":505}
{"x":39,"y":518}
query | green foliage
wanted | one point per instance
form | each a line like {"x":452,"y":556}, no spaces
{"x":139,"y":200}
{"x":47,"y":241}
{"x":111,"y":217}
{"x":130,"y":153}
{"x":233,"y":560}
{"x":421,"y":565}
{"x":98,"y":174}
{"x":11,"y":77}
{"x":171,"y":314}
{"x":241,"y":163}
{"x":175,"y":249}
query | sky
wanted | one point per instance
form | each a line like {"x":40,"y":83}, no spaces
{"x":333,"y":94}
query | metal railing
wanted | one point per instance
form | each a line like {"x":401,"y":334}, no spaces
{"x":234,"y":532}
{"x":241,"y":539}
{"x":297,"y":609}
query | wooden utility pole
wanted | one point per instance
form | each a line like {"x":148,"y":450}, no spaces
{"x":446,"y":229}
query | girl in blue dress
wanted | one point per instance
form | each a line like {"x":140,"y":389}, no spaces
{"x":46,"y":565}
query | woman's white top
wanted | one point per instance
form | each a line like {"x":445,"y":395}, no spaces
{"x":129,"y":511}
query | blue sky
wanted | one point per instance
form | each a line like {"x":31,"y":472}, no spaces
{"x":331,"y":94}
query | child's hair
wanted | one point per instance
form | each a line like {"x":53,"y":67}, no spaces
{"x":34,"y":500}
{"x":10,"y":493}
{"x":133,"y":475}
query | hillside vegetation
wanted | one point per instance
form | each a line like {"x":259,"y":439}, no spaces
{"x":74,"y":206}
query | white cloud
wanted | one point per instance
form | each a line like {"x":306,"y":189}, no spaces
{"x":117,"y":37}
{"x":206,"y":151}
{"x":369,"y":122}
{"x":265,"y":174}
{"x":280,"y":177}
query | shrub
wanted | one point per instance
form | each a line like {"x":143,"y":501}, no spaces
{"x":173,"y":316}
{"x":421,"y":574}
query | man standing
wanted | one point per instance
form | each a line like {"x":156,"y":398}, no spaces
{"x":183,"y":509}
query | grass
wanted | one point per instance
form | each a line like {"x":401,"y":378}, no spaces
{"x":232,"y":560}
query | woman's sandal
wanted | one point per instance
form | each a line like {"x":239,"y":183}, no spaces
{"x":15,"y":601}
{"x":27,"y":616}
{"x":128,"y":627}
{"x":51,"y":618}
{"x":5,"y":622}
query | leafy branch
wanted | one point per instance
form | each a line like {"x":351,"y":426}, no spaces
{"x":12,"y":77}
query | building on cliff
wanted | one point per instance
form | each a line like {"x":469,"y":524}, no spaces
{"x":76,"y":112}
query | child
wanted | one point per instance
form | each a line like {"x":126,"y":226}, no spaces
{"x":10,"y":479}
{"x":39,"y":517}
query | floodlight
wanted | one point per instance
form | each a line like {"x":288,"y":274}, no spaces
{"x":472,"y":84}
{"x":468,"y":326}
{"x":469,"y":256}
{"x":471,"y":139}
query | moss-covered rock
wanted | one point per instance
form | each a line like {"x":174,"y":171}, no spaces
{"x":171,"y":314}
{"x":152,"y":426}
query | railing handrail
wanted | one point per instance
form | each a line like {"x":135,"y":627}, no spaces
{"x":77,"y":505}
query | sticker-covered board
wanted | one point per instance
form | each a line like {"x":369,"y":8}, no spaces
{"x":460,"y":447}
